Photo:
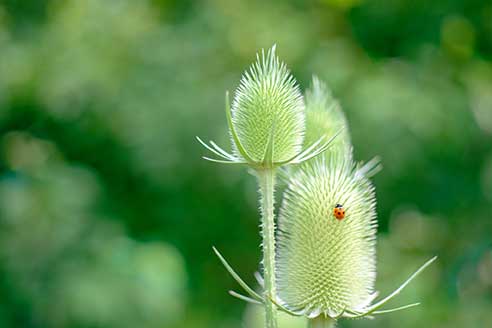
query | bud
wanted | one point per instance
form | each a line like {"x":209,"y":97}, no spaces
{"x":267,"y":119}
{"x":324,"y":117}
{"x":268,"y":105}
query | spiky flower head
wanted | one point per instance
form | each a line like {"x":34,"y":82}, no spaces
{"x":267,"y":119}
{"x":324,"y":117}
{"x":327,"y":265}
{"x":268,"y":104}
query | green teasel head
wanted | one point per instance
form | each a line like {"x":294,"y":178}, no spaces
{"x":324,"y":117}
{"x":267,"y":119}
{"x":268,"y":104}
{"x":326,"y":266}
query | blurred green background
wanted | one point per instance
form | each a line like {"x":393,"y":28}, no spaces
{"x":108,"y":213}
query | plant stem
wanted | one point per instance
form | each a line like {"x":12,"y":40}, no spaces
{"x":321,"y":322}
{"x":266,"y":180}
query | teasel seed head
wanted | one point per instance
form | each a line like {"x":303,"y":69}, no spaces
{"x":324,"y":117}
{"x":268,"y":104}
{"x":326,"y":265}
{"x":267,"y":119}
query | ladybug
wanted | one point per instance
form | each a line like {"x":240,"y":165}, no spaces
{"x":339,"y":212}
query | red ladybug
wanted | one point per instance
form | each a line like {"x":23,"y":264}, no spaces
{"x":339,"y":212}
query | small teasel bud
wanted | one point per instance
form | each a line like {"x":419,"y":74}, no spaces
{"x":268,"y":108}
{"x":324,"y":117}
{"x":267,"y":119}
{"x":326,"y":265}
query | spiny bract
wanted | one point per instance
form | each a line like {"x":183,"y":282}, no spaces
{"x":324,"y":117}
{"x":268,"y":100}
{"x":326,"y":266}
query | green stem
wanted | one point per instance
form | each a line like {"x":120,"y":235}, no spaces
{"x":266,"y":180}
{"x":321,"y":322}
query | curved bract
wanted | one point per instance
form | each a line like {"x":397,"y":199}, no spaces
{"x":268,"y":104}
{"x":325,"y":265}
